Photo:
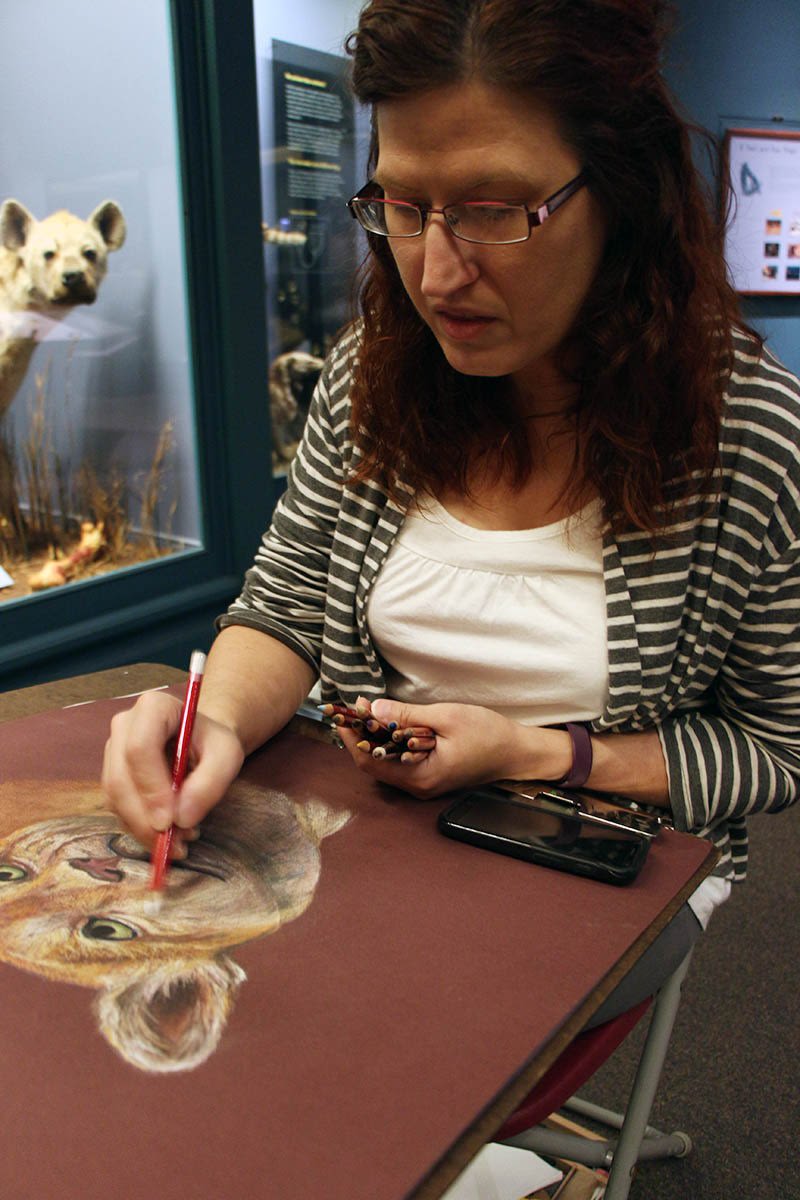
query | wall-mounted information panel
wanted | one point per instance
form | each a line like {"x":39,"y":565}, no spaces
{"x":763,"y":235}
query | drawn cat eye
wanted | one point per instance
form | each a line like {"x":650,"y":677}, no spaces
{"x":11,"y":873}
{"x":108,"y":929}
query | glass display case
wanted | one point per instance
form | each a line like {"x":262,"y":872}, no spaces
{"x":98,"y":453}
{"x":134,"y":427}
{"x":313,"y":147}
{"x":177,"y":259}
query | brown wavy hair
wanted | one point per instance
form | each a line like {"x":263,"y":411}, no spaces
{"x":654,"y":336}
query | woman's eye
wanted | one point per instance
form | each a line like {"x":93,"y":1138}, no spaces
{"x":11,"y":873}
{"x":107,"y":929}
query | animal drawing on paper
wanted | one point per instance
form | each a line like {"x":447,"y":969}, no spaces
{"x":47,"y":268}
{"x":73,"y":907}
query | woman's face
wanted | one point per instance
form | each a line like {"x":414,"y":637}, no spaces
{"x":495,"y":310}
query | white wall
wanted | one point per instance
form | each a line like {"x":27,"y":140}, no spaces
{"x":317,"y":24}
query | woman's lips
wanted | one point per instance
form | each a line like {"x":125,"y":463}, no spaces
{"x":462,"y":327}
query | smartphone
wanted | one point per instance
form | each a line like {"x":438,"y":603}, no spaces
{"x":541,"y":829}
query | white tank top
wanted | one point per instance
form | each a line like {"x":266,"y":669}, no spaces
{"x":511,"y":619}
{"x":514,"y":620}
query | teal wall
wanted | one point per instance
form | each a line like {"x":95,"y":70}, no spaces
{"x":737,"y":63}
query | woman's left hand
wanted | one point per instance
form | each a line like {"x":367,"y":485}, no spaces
{"x":473,"y":745}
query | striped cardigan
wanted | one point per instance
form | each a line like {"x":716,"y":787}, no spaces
{"x":703,"y":636}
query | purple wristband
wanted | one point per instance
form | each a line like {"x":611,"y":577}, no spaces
{"x":581,"y":767}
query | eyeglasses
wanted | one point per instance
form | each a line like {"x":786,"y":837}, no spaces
{"x":487,"y":222}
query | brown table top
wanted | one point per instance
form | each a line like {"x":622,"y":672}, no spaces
{"x":118,"y":681}
{"x":503,"y":1042}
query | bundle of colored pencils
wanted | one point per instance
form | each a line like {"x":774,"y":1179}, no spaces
{"x":379,"y":740}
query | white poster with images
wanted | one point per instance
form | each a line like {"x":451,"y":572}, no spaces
{"x":762,"y":243}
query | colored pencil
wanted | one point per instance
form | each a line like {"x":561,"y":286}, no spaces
{"x":387,"y":750}
{"x":338,"y":720}
{"x":341,"y":710}
{"x":162,"y":846}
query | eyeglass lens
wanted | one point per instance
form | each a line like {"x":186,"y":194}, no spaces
{"x":472,"y":222}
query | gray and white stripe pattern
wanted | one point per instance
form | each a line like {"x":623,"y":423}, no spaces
{"x":704,"y":636}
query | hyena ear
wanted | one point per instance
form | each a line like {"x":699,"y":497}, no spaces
{"x":169,"y":1017}
{"x":107,"y":218}
{"x":15,"y":224}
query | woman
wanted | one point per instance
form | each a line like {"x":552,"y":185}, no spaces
{"x":549,"y":477}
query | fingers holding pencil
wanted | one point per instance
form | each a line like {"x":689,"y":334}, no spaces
{"x":380,"y":740}
{"x":421,"y":743}
{"x":413,"y":731}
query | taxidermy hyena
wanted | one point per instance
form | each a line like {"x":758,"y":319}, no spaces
{"x":47,"y":267}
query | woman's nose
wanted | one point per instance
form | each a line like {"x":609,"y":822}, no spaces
{"x":448,"y":264}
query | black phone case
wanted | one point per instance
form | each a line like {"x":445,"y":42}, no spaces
{"x":454,"y":822}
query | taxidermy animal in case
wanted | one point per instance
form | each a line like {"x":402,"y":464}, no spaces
{"x":47,"y":267}
{"x":73,"y":907}
{"x":292,"y":379}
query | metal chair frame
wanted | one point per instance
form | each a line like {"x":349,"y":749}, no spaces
{"x":638,"y":1141}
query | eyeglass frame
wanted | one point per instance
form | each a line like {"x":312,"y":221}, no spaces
{"x":536,"y":217}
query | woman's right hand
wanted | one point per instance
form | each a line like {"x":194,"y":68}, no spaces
{"x":137,"y":770}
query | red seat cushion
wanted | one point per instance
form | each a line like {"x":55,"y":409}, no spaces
{"x":579,"y":1061}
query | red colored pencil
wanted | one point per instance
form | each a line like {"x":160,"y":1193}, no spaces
{"x":162,"y":846}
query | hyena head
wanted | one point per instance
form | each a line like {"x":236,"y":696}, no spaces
{"x":61,"y":260}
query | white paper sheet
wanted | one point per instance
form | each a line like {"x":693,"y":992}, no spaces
{"x":502,"y":1173}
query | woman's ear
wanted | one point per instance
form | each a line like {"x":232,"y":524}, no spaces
{"x":169,"y":1017}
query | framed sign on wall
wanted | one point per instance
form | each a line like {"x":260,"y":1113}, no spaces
{"x":762,"y":240}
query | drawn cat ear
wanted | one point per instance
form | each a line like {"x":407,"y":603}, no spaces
{"x":318,"y":820}
{"x":169,"y":1017}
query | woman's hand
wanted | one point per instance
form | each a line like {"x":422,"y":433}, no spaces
{"x":252,"y":686}
{"x":472,"y":745}
{"x":137,"y":769}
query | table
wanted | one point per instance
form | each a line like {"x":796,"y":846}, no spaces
{"x":429,"y":990}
